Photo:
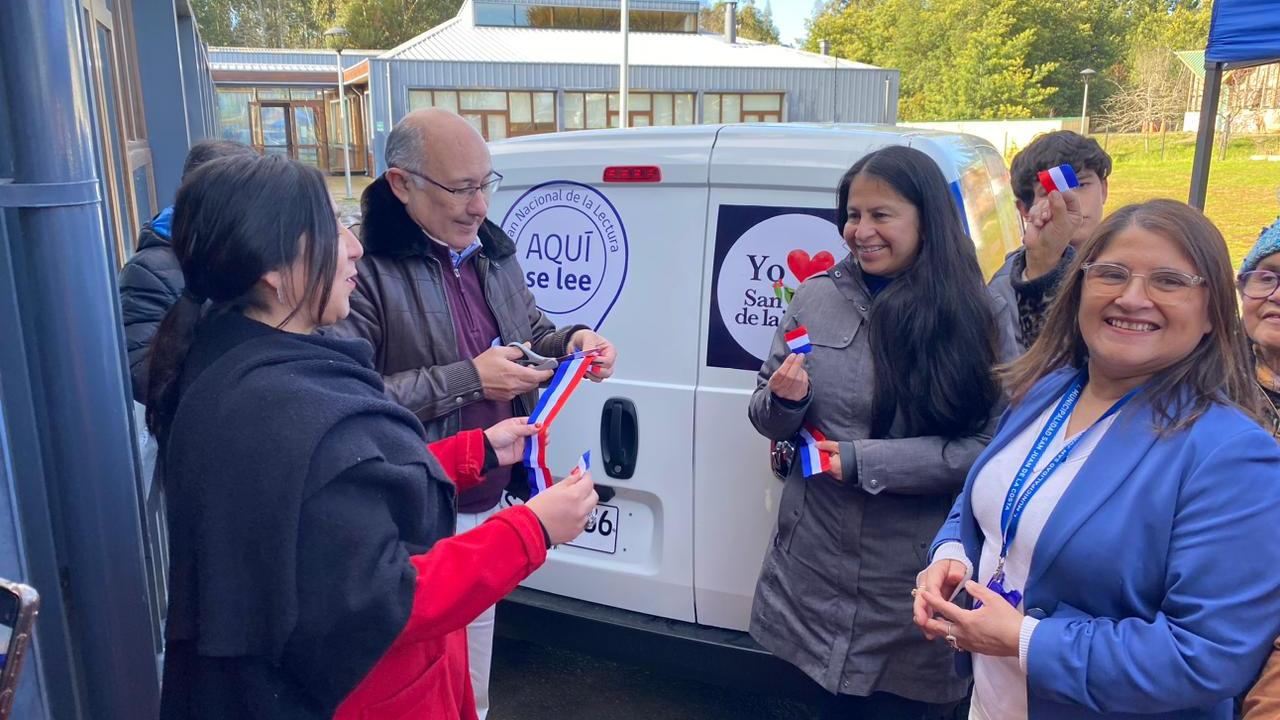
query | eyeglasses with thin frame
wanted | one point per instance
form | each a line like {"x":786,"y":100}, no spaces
{"x":1167,"y":286}
{"x":1258,"y":284}
{"x":465,"y":194}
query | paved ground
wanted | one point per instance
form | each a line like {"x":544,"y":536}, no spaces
{"x":338,"y":189}
{"x":533,"y":682}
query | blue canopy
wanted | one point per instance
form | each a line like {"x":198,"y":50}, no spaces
{"x":1244,"y":31}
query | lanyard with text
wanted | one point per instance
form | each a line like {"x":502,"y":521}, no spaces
{"x":1016,"y":501}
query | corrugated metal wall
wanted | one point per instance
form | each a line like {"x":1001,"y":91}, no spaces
{"x":812,"y":95}
{"x":683,"y":6}
{"x":277,"y":57}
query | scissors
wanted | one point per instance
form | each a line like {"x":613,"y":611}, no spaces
{"x":535,"y":361}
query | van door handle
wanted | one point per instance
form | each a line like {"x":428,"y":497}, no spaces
{"x":619,"y":437}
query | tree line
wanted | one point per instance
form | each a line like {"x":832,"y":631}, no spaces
{"x":961,"y":59}
{"x":384,"y":24}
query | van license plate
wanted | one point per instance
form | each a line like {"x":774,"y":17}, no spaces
{"x":604,"y":536}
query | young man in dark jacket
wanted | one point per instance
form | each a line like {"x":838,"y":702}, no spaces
{"x":151,"y":280}
{"x":1055,"y":224}
{"x":439,"y":295}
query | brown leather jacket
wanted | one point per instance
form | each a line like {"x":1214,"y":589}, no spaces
{"x":401,"y":308}
{"x":1263,"y":701}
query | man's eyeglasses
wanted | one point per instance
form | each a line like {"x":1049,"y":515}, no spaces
{"x":1168,"y":286}
{"x":1258,"y":284}
{"x":465,"y":194}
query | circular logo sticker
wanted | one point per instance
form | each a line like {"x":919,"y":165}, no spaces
{"x":572,"y":248}
{"x":762,"y":269}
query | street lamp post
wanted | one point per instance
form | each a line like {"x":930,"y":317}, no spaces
{"x":1087,"y":74}
{"x":624,"y":81}
{"x":337,"y":37}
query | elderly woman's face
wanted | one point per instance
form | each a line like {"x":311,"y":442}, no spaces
{"x":1262,"y":315}
{"x":1142,"y":326}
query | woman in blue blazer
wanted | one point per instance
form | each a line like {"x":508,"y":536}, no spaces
{"x":1121,"y":524}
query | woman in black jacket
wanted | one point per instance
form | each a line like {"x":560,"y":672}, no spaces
{"x":312,"y":569}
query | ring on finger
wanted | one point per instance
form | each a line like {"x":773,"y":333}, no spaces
{"x":951,"y":636}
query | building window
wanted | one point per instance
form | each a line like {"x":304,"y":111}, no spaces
{"x":233,"y":115}
{"x":302,"y":123}
{"x":497,"y":114}
{"x":591,"y":111}
{"x":498,"y":14}
{"x":741,"y":107}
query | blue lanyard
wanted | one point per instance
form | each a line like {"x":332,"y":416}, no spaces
{"x":1015,"y":502}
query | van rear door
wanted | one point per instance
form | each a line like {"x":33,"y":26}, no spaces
{"x":773,"y":191}
{"x":625,"y":258}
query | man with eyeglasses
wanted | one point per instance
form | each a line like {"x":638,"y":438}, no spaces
{"x":440,"y":294}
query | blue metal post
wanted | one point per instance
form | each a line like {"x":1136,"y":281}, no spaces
{"x":64,"y":288}
{"x":188,"y":41}
{"x":163,"y":95}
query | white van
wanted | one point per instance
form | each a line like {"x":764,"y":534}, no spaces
{"x":679,"y":245}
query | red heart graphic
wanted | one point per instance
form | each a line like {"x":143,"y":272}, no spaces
{"x":803,"y":267}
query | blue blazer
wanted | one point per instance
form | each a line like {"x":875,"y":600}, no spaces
{"x":1157,"y":576}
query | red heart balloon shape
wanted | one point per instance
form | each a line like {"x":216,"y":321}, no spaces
{"x":803,"y":267}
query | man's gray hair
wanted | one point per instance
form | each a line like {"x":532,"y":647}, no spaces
{"x":406,"y":146}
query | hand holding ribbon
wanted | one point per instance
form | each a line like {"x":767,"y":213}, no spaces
{"x":790,"y":381}
{"x":605,"y":353}
{"x":507,"y":438}
{"x":564,"y":508}
{"x":832,"y":463}
{"x":1051,"y":223}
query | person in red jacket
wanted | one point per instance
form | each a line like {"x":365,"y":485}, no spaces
{"x":313,"y":567}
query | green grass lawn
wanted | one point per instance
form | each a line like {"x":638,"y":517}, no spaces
{"x":1242,"y":195}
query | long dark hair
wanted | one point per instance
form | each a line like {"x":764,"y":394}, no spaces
{"x":236,"y":219}
{"x":933,"y":336}
{"x":1219,"y":369}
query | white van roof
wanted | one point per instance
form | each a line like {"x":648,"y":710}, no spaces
{"x":799,"y":130}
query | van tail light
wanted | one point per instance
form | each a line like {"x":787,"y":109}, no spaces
{"x":633,"y":174}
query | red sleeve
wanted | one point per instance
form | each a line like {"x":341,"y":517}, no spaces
{"x":456,"y":580}
{"x":462,"y":575}
{"x":462,"y":456}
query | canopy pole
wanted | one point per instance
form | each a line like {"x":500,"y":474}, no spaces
{"x":1204,"y":137}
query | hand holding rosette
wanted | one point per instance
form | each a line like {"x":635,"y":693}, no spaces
{"x":790,"y":381}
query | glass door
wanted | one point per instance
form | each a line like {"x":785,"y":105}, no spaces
{"x":306,"y":134}
{"x":273,"y":129}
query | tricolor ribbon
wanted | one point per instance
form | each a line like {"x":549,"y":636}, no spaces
{"x":583,"y":466}
{"x":566,"y":379}
{"x":1061,"y":178}
{"x":812,"y":460}
{"x":798,"y":340}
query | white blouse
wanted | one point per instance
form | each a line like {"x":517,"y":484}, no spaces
{"x":1000,"y":683}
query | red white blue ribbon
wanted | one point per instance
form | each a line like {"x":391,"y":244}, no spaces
{"x":1061,"y":178}
{"x":584,"y":464}
{"x":568,"y":376}
{"x":812,"y":460}
{"x":798,"y":340}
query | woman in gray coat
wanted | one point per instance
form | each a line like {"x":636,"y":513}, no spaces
{"x":899,"y":382}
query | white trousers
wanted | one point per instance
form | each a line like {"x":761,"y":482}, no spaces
{"x":480,"y":631}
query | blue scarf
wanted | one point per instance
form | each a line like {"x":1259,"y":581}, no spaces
{"x":875,"y":283}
